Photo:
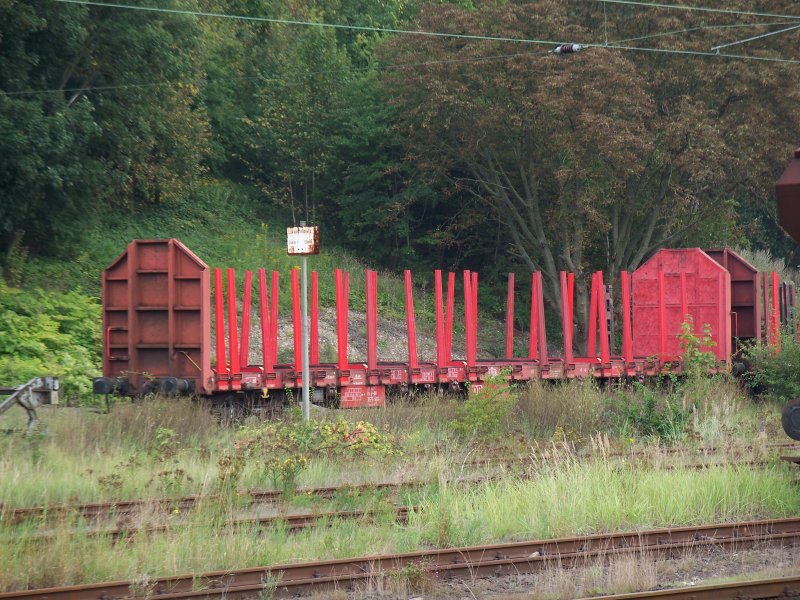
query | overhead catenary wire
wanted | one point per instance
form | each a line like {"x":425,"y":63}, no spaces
{"x":755,"y":37}
{"x":617,"y":45}
{"x":434,"y":33}
{"x":651,"y":36}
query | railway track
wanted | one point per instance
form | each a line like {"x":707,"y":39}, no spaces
{"x":762,"y":589}
{"x":292,"y":522}
{"x":493,"y":560}
{"x":125,"y":508}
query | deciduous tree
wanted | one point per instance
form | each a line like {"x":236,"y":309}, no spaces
{"x":575,"y":156}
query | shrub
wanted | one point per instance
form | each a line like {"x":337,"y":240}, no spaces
{"x":44,"y":333}
{"x":774,"y":372}
{"x":696,"y":362}
{"x":650,"y":413}
{"x":569,"y":405}
{"x":283,"y":449}
{"x":486,"y":412}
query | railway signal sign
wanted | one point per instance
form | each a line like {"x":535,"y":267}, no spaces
{"x":302,"y":241}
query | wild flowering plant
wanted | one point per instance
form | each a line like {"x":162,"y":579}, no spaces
{"x":283,"y":449}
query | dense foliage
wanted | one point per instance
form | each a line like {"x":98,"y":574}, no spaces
{"x":776,"y":373}
{"x":44,"y":333}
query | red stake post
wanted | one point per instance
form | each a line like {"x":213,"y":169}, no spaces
{"x":411,"y":323}
{"x":566,"y":325}
{"x":438,"y":311}
{"x":342,"y":308}
{"x":448,"y":319}
{"x":346,"y":280}
{"x":602,"y":312}
{"x":233,"y":342}
{"x":775,"y":313}
{"x":543,"y":358}
{"x":297,"y":321}
{"x":571,"y":296}
{"x":591,"y":342}
{"x":767,"y":320}
{"x":510,"y":317}
{"x":274,"y":318}
{"x":474,"y":289}
{"x":371,"y":281}
{"x":314,"y":337}
{"x":534,"y":332}
{"x":244,"y":338}
{"x":468,"y":313}
{"x":267,"y":362}
{"x":219,"y":326}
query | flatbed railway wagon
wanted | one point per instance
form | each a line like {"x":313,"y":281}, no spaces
{"x":159,"y":306}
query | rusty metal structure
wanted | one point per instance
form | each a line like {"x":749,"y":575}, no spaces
{"x":787,"y":191}
{"x":29,"y":396}
{"x":157,"y":318}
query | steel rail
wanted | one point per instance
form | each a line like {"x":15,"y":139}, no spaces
{"x":495,"y":559}
{"x":126,"y":507}
{"x":297,"y":522}
{"x":760,"y":589}
{"x":292,"y":522}
{"x":121,"y":508}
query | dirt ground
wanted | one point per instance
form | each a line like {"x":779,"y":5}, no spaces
{"x":625,"y":574}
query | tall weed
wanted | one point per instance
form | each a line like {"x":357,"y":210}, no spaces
{"x":648,"y":412}
{"x":577,"y":406}
{"x":775,"y":372}
{"x":486,"y":412}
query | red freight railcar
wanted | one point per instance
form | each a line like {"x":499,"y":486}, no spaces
{"x":157,"y":329}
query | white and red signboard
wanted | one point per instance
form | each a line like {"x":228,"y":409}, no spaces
{"x":302,"y":240}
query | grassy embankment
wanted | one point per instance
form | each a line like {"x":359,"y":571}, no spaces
{"x":569,"y":484}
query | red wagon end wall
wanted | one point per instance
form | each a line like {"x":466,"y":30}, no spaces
{"x":788,"y":192}
{"x":672,"y":285}
{"x":156,"y":315}
{"x":745,"y":303}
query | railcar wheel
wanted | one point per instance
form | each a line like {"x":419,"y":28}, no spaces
{"x":790,"y":419}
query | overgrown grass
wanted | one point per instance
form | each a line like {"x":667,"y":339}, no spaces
{"x":776,"y":373}
{"x":567,"y":499}
{"x":170,"y":447}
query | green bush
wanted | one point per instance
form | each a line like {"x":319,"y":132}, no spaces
{"x":696,"y":362}
{"x":775,"y":373}
{"x":284,"y":449}
{"x":649,"y":413}
{"x":45,"y":333}
{"x":486,"y":413}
